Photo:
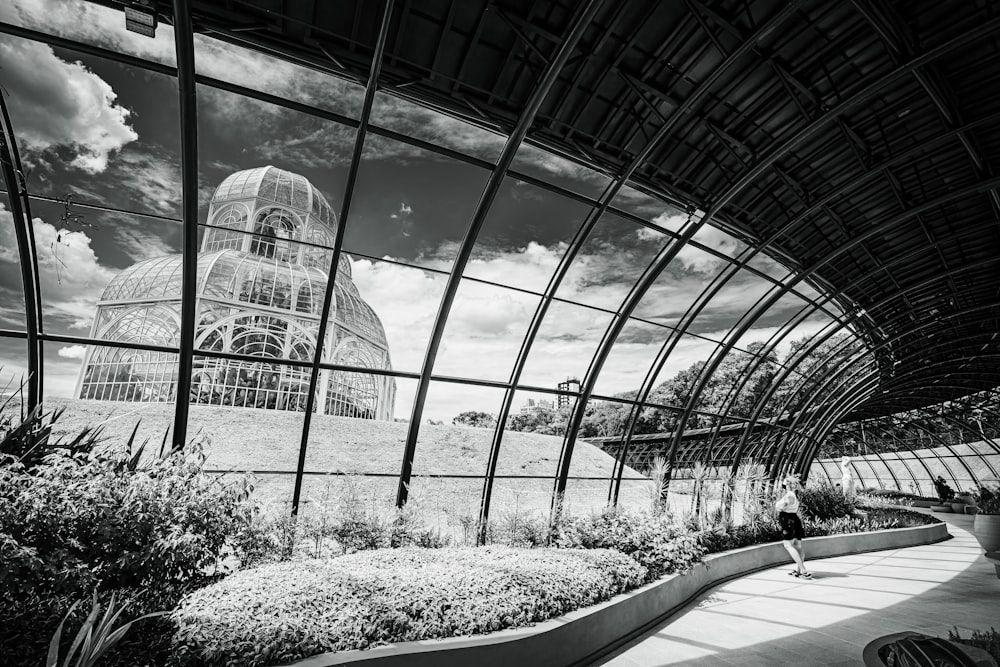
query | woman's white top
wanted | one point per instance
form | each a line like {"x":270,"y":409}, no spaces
{"x":787,"y":503}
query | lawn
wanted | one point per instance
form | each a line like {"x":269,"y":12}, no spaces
{"x":267,"y":442}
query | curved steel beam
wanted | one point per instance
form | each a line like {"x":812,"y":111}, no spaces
{"x":752,"y":174}
{"x":581,"y":22}
{"x":20,"y":211}
{"x":338,"y":242}
{"x":819,"y":340}
{"x":849,"y":365}
{"x":591,"y":221}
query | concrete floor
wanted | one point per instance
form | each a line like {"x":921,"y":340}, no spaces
{"x":770,"y":618}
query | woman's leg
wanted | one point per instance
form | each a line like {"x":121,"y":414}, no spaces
{"x":794,"y":549}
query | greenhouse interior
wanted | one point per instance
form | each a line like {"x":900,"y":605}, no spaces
{"x":499,"y":332}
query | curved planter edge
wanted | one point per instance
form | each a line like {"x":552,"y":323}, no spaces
{"x":584,"y":635}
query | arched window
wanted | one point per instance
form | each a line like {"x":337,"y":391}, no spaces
{"x":273,"y":233}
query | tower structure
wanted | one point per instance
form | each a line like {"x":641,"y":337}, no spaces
{"x":262,"y":273}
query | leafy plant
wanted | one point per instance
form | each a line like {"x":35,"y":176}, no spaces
{"x":95,"y":637}
{"x":653,"y":541}
{"x":988,"y":499}
{"x":824,"y":501}
{"x":287,"y":611}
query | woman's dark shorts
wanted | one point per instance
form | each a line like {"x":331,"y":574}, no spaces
{"x":791,"y":526}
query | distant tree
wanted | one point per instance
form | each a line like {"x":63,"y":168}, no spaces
{"x":540,"y":419}
{"x":476,"y":419}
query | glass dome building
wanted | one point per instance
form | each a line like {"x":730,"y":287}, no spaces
{"x":262,"y":273}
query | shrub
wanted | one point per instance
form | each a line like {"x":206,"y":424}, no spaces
{"x":288,"y":611}
{"x":988,"y":499}
{"x":77,"y":522}
{"x":824,"y":501}
{"x":652,"y":540}
{"x":766,"y":529}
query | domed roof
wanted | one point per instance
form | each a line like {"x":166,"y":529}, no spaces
{"x":155,"y":278}
{"x":278,"y":186}
{"x":223,"y":274}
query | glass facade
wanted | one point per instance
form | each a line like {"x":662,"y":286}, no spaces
{"x":496,"y":331}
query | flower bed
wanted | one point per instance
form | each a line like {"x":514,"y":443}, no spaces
{"x":287,"y":611}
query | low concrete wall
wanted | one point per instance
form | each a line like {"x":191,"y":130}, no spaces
{"x":584,"y":635}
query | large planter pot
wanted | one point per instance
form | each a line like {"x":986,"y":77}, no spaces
{"x":971,"y":509}
{"x":964,"y":498}
{"x":958,"y":508}
{"x":986,"y":528}
{"x":941,"y":508}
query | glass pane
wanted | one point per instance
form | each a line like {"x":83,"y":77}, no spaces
{"x":92,"y":24}
{"x":484,"y":332}
{"x":729,"y":304}
{"x":631,"y":356}
{"x":650,"y":208}
{"x":457,"y":429}
{"x":551,"y":168}
{"x":412,"y":205}
{"x":611,"y":260}
{"x":405,"y":300}
{"x":114,"y":388}
{"x":11,"y":292}
{"x":267,"y":74}
{"x":525,"y":236}
{"x":526,"y":465}
{"x":89,"y":276}
{"x":249,"y":415}
{"x":13,"y":376}
{"x":257,"y":151}
{"x":360,"y":441}
{"x":85,"y":129}
{"x":565,"y":344}
{"x":413,"y":120}
{"x":593,"y":464}
{"x":678,"y":286}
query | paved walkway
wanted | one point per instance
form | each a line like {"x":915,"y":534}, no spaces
{"x":770,"y":618}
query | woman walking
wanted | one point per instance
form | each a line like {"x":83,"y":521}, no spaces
{"x":792,"y":533}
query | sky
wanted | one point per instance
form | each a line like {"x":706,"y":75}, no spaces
{"x":100,"y":132}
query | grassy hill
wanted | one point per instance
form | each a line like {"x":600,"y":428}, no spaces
{"x":267,"y":443}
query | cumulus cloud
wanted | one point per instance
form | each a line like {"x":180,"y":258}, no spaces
{"x":73,"y":351}
{"x":487,"y":324}
{"x":70,"y":275}
{"x":57,"y":104}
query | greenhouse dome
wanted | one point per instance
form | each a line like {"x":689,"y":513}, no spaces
{"x":260,"y":294}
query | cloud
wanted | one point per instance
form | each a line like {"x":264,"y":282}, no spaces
{"x":150,"y":178}
{"x":487,"y":324}
{"x":73,"y":351}
{"x":70,"y":275}
{"x":140,"y":245}
{"x":56,"y":104}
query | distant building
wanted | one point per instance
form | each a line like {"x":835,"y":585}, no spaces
{"x":263,"y":270}
{"x":570,"y":384}
{"x":533,"y":406}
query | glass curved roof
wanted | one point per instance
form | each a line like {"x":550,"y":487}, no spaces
{"x":765,"y":248}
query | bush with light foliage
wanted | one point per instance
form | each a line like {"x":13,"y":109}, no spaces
{"x":287,"y":611}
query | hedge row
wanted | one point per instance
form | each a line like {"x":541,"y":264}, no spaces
{"x":287,"y":611}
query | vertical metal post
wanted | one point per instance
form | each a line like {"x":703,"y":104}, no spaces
{"x":17,"y":195}
{"x":184,"y":47}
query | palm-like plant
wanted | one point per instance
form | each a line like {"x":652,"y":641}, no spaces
{"x":95,"y":637}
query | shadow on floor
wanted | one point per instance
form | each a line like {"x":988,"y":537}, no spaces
{"x":771,"y":619}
